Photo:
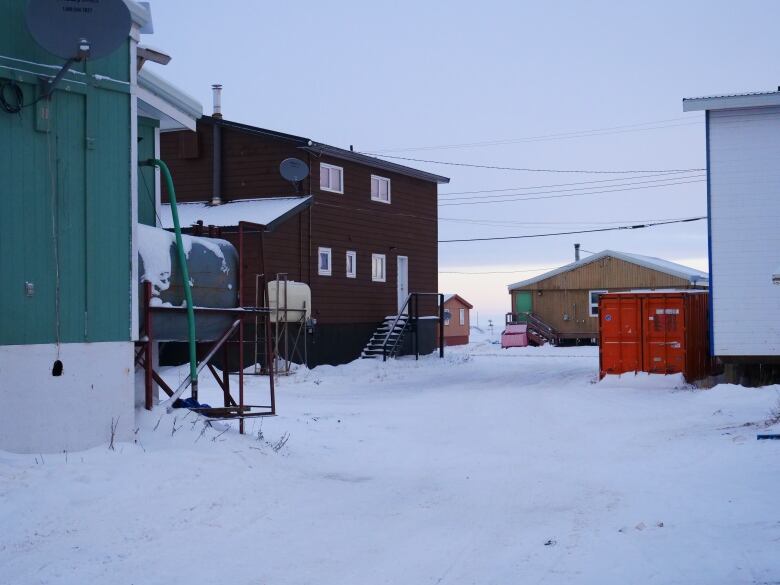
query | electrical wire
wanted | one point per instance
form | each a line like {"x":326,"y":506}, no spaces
{"x":516,"y":224}
{"x":528,"y":169}
{"x":18,"y":97}
{"x":569,"y":194}
{"x":660,"y":182}
{"x":640,"y":127}
{"x":496,"y":271}
{"x":606,"y":229}
{"x":447,"y":194}
{"x":15,"y":108}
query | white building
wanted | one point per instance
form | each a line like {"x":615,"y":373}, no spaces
{"x":743,"y":200}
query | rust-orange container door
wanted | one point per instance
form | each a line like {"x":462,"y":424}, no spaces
{"x":620,"y":334}
{"x":664,"y":339}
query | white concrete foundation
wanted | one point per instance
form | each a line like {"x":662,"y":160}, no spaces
{"x":42,"y":413}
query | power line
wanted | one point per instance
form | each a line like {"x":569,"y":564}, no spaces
{"x":496,"y":271}
{"x":554,"y":185}
{"x":530,"y":170}
{"x":607,"y":229}
{"x":641,"y":127}
{"x":516,"y":224}
{"x":569,"y":194}
{"x":629,"y":183}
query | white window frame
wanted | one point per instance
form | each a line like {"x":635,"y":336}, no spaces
{"x":320,"y":270}
{"x":351,"y":254}
{"x":376,"y":197}
{"x":593,"y":307}
{"x":462,"y":316}
{"x":447,"y":317}
{"x":341,"y":174}
{"x":374,"y":275}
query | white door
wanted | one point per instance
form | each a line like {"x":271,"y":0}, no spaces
{"x":403,"y":281}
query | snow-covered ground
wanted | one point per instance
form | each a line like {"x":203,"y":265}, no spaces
{"x":486,"y":467}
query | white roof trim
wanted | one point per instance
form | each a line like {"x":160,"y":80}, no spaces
{"x":690,"y":274}
{"x":727,"y":102}
{"x":162,"y":100}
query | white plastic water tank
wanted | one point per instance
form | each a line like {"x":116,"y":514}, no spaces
{"x":298,"y":300}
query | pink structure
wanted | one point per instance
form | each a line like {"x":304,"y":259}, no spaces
{"x":514,"y":336}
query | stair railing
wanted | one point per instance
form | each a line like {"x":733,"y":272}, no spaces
{"x":412,"y":303}
{"x":545,"y":330}
{"x":403,"y":308}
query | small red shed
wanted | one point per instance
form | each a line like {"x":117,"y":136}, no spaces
{"x":456,"y":320}
{"x":659,"y":332}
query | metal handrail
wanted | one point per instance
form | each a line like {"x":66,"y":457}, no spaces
{"x":415,"y":317}
{"x":392,"y":327}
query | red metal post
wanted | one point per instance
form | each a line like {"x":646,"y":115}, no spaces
{"x":241,"y":375}
{"x":148,"y":382}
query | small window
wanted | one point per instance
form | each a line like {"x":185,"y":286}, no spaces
{"x":331,"y":178}
{"x":594,"y":302}
{"x":378,"y":267}
{"x":462,"y":316}
{"x":324,"y":263}
{"x":447,"y":316}
{"x":351,"y":264}
{"x":380,"y":189}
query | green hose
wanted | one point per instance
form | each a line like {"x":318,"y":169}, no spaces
{"x":185,"y":273}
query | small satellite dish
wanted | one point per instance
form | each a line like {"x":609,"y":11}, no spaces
{"x":79,"y":30}
{"x":294,"y":170}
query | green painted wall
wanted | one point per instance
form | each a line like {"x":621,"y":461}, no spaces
{"x":146,"y":176}
{"x":65,"y":194}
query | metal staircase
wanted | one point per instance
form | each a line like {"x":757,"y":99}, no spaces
{"x":387,"y":340}
{"x":388,"y":337}
{"x":539,"y":331}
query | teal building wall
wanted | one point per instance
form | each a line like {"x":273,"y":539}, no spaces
{"x":66,"y":210}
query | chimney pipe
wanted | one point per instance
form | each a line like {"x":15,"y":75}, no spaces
{"x":576,"y":252}
{"x":216,"y":153}
{"x":217,"y":90}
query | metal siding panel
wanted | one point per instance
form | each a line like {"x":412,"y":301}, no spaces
{"x":745,"y":240}
{"x":27,"y":159}
{"x":108,"y":223}
{"x":146,"y":175}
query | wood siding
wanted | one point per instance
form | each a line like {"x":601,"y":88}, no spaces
{"x":563,"y":300}
{"x":455,"y":329}
{"x":350,"y":221}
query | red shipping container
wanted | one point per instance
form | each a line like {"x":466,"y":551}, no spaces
{"x":655,"y":332}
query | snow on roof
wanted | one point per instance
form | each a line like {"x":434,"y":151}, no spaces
{"x":268,"y":211}
{"x":734,"y":100}
{"x":672,"y":268}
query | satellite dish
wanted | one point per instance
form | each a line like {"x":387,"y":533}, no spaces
{"x":79,"y":30}
{"x":294,"y":170}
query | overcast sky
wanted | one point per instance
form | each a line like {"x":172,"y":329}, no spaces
{"x":403,"y":76}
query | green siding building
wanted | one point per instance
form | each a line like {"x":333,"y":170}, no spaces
{"x":72,"y":194}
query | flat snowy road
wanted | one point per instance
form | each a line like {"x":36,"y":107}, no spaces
{"x":487,"y":467}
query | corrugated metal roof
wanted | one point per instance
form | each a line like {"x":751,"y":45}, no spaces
{"x":269,"y":212}
{"x":162,"y":89}
{"x":734,"y":100}
{"x":659,"y":264}
{"x":731,"y":95}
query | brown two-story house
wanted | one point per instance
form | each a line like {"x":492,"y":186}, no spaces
{"x":362,"y":232}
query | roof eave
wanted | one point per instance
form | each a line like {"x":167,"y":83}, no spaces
{"x":379,"y":163}
{"x":179,"y":109}
{"x":731,"y":102}
{"x":305,"y":204}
